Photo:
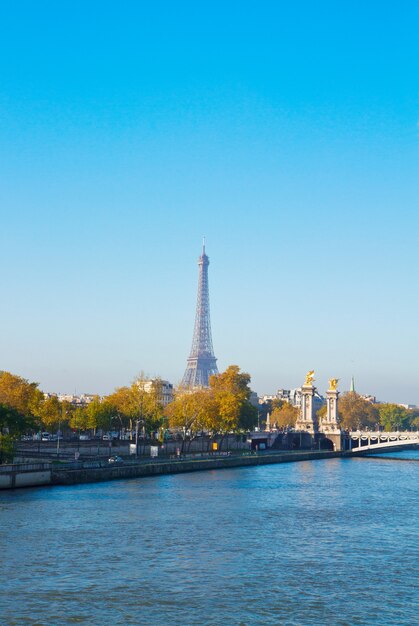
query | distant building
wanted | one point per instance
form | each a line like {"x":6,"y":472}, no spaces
{"x":82,"y":400}
{"x":284,"y":394}
{"x":166,"y":389}
{"x":368,"y":398}
{"x":267,"y":399}
{"x":49,"y":395}
{"x":293,"y":397}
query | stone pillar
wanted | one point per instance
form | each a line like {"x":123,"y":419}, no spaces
{"x":329,"y":426}
{"x":332,"y":407}
{"x":307,"y":420}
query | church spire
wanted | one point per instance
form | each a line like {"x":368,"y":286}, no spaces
{"x":352,"y":385}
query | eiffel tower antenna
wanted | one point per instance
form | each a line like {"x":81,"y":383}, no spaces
{"x":201,"y":362}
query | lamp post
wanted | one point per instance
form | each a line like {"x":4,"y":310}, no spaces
{"x":137,"y":423}
{"x":58,"y":438}
{"x":136,"y":437}
{"x":63,"y":416}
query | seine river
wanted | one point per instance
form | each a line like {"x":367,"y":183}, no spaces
{"x":324,"y":542}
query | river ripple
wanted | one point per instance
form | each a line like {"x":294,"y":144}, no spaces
{"x":320,"y":542}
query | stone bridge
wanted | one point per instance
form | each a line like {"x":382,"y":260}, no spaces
{"x":370,"y":440}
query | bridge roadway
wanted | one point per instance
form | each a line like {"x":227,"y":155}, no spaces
{"x":370,"y":440}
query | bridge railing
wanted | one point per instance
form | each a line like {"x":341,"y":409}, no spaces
{"x":377,"y":439}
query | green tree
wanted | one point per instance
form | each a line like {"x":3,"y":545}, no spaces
{"x":99,"y":414}
{"x":12,"y":425}
{"x":393,"y":417}
{"x":13,"y":422}
{"x":248,"y":417}
{"x":6,"y":448}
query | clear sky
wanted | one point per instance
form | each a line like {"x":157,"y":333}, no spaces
{"x":284,"y":131}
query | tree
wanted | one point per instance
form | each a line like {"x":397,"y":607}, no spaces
{"x":393,"y":417}
{"x":78,"y":419}
{"x":50,"y":412}
{"x":12,"y":425}
{"x":99,"y":414}
{"x":284,"y":416}
{"x":20,"y":394}
{"x":356,"y":413}
{"x":222,"y":408}
{"x":248,"y":417}
{"x":141,"y":401}
{"x":6,"y":448}
{"x":148,"y":396}
{"x":276,"y":403}
{"x":230,"y":391}
{"x":121,"y":404}
{"x":190,"y":413}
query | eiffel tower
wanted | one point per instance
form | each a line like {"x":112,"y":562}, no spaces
{"x":201,"y":362}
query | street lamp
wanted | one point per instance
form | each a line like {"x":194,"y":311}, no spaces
{"x":136,"y":437}
{"x":63,"y":417}
{"x":137,"y":423}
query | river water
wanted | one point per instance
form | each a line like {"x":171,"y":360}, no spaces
{"x":322,"y":542}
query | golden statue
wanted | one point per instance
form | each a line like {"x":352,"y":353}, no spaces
{"x":333,"y":383}
{"x":309,"y":377}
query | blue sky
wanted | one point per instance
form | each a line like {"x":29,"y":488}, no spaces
{"x":286,"y":132}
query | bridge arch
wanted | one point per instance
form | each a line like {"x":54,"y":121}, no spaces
{"x":326,"y":444}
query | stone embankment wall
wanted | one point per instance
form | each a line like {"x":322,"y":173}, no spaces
{"x":32,"y":475}
{"x":84,"y":475}
{"x":28,"y":475}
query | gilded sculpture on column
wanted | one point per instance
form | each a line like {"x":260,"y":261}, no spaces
{"x":309,"y":378}
{"x":333,"y":384}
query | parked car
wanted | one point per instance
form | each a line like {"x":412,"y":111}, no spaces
{"x":84,"y":437}
{"x":45,"y":436}
{"x":116,"y":460}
